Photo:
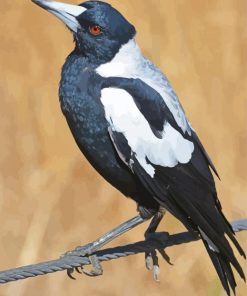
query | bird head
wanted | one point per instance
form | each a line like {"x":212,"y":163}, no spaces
{"x":99,"y":29}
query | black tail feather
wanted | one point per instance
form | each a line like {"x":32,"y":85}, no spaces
{"x":199,"y":210}
{"x":223,"y":269}
{"x":236,"y":243}
{"x":231,"y":234}
{"x":201,"y":219}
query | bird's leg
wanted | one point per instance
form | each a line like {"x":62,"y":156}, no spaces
{"x":91,"y":248}
{"x":151,"y":258}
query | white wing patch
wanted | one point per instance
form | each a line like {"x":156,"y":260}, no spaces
{"x":130,"y":63}
{"x":124,"y":116}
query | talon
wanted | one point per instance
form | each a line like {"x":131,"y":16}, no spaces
{"x":156,"y":273}
{"x":97,"y":269}
{"x":165,"y":256}
{"x":69,"y":273}
{"x":155,"y":258}
{"x":77,"y":269}
{"x":149,"y":261}
{"x":91,"y":273}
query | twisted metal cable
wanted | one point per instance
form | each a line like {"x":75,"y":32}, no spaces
{"x":70,"y":261}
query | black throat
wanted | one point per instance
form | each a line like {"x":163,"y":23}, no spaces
{"x":79,"y":93}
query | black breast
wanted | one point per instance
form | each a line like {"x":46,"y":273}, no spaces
{"x":80,"y":91}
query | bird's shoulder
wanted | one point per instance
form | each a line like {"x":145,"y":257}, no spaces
{"x":139,"y":100}
{"x":130,"y":63}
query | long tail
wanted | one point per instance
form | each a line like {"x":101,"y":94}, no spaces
{"x":223,"y":258}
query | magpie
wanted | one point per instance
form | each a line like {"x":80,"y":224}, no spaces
{"x":128,"y":122}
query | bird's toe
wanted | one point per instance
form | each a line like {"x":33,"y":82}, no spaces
{"x":97,"y":268}
{"x":156,"y":273}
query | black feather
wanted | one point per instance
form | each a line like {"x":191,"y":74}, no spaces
{"x":226,"y":277}
{"x":194,"y":202}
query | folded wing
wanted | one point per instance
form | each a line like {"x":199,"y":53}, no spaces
{"x":171,"y":164}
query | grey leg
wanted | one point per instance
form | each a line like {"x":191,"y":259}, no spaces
{"x":151,"y":258}
{"x":90,"y":248}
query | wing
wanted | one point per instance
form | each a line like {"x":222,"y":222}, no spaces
{"x":171,"y":164}
{"x":136,"y":110}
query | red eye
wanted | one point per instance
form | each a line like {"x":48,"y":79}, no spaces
{"x":95,"y":30}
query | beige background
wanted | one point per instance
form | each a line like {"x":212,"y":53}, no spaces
{"x":52,"y":200}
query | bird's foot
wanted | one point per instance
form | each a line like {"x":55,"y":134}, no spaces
{"x":152,"y":264}
{"x":96,"y":271}
{"x":97,"y":268}
{"x":151,"y":258}
{"x":90,"y":249}
{"x":82,"y":251}
{"x":85,"y":251}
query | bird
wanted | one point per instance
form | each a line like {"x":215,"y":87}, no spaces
{"x":130,"y":125}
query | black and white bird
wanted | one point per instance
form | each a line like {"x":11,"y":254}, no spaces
{"x":128,"y":122}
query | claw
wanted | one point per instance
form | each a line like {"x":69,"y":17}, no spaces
{"x":156,"y":273}
{"x":165,"y":256}
{"x":152,"y":263}
{"x":149,"y":261}
{"x":91,"y":273}
{"x":69,"y":273}
{"x":78,"y":270}
{"x":97,"y":269}
{"x":155,"y":258}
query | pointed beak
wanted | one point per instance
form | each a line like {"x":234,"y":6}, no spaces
{"x":67,"y":13}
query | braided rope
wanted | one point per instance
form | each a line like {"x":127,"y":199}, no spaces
{"x":70,"y":261}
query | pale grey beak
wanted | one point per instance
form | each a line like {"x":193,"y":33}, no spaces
{"x":67,"y":13}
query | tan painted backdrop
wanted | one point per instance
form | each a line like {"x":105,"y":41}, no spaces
{"x":52,"y":200}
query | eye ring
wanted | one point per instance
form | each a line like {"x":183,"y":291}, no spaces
{"x":95,"y":30}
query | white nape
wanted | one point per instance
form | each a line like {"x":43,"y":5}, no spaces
{"x":130,"y":63}
{"x":124,"y":116}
